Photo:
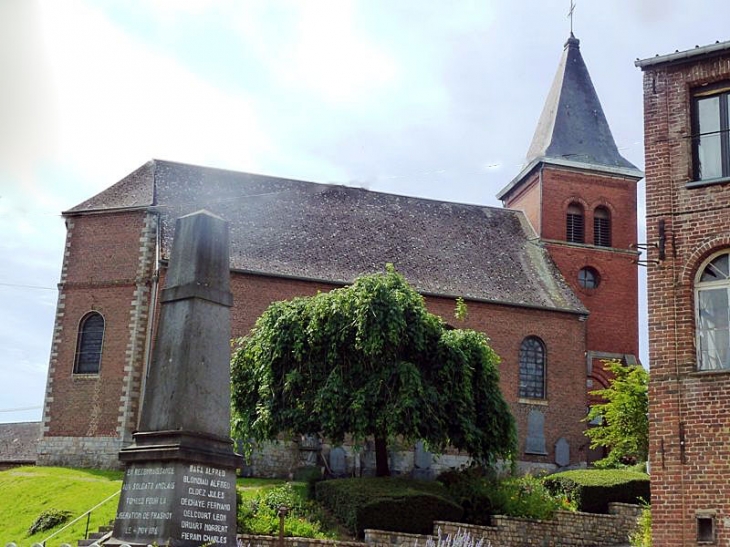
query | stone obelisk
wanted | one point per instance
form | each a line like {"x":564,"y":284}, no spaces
{"x":179,"y":485}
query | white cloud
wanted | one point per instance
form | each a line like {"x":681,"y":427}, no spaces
{"x":120,"y":103}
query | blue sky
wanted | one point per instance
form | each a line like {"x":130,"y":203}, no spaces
{"x":435,"y":99}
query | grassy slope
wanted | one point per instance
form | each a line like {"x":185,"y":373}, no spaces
{"x":27,"y":491}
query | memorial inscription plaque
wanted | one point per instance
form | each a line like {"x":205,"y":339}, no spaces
{"x":178,"y":501}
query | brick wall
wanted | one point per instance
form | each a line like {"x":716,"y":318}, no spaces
{"x":689,"y":410}
{"x":107,"y":268}
{"x":566,"y":529}
{"x":612,"y":329}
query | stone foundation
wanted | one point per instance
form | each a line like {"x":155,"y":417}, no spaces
{"x":88,"y":452}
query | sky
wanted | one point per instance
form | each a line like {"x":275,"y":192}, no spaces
{"x":435,"y":99}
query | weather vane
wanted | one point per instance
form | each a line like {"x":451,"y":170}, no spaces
{"x":570,"y":14}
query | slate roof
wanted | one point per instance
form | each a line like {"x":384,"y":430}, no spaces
{"x":19,"y":442}
{"x":573,"y":131}
{"x":333,"y":233}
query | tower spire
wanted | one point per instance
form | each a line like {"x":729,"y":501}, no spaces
{"x":572,"y":125}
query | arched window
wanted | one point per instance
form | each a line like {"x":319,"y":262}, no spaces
{"x":532,"y":368}
{"x":574,"y":225}
{"x":602,"y":227}
{"x":712,"y":305}
{"x":88,"y":345}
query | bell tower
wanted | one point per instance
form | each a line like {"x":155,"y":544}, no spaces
{"x":579,"y":193}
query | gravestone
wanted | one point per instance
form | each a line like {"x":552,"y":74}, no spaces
{"x":179,"y":484}
{"x":422,"y":461}
{"x":562,"y":452}
{"x":338,"y":462}
{"x":535,"y":442}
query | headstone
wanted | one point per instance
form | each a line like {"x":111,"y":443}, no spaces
{"x":535,"y":442}
{"x":422,"y":461}
{"x":180,"y":479}
{"x":309,"y":448}
{"x":338,"y":462}
{"x":562,"y":452}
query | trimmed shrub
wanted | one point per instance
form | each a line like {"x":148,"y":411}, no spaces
{"x":395,"y":504}
{"x":593,"y":489}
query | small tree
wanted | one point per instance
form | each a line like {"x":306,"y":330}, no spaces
{"x":370,"y":360}
{"x":625,"y":425}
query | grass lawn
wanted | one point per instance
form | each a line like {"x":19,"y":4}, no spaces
{"x":28,"y":491}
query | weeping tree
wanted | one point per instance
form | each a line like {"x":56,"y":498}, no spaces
{"x":369,"y":360}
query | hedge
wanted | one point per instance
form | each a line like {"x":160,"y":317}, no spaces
{"x":393,"y":504}
{"x":594,"y":489}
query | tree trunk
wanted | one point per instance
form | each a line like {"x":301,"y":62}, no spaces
{"x":381,"y":457}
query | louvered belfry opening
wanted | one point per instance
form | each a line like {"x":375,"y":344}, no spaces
{"x":574,"y":224}
{"x":602,"y":227}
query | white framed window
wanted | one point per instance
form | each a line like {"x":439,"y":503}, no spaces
{"x":712,"y":313}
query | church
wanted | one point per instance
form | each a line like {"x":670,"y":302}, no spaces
{"x":550,"y":277}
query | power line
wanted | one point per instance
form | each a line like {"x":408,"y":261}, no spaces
{"x":28,"y":286}
{"x":20,"y":409}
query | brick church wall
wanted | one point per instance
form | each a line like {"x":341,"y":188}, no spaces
{"x":107,"y":268}
{"x":689,"y":410}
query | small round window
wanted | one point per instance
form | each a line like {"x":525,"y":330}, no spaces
{"x":588,"y":278}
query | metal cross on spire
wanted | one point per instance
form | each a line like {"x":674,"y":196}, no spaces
{"x":570,"y":14}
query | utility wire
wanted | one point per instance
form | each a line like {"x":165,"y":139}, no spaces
{"x":27,"y":286}
{"x":20,"y":409}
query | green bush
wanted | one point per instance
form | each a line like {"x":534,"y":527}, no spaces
{"x":50,"y":518}
{"x":482,"y":495}
{"x":304,"y":518}
{"x":387,"y":503}
{"x":526,"y":497}
{"x":593,"y":489}
{"x":642,"y":536}
{"x":470,"y":489}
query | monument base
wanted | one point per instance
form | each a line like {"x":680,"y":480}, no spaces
{"x":179,"y":490}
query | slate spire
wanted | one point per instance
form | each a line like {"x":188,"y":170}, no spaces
{"x":572,"y":126}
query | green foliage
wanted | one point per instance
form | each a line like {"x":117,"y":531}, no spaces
{"x":260,"y":515}
{"x":461,"y":311}
{"x":527,"y":497}
{"x":387,"y":503}
{"x":625,"y":429}
{"x":482,"y":495}
{"x":593,"y":489}
{"x":50,"y":518}
{"x":370,"y":360}
{"x":642,"y":536}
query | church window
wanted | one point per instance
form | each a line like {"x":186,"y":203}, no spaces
{"x":588,"y":278}
{"x":602,"y":227}
{"x":88,"y":346}
{"x":574,"y":224}
{"x":712,"y":303}
{"x":532,"y":368}
{"x":710,"y":138}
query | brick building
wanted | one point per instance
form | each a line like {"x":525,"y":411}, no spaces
{"x":550,"y":278}
{"x":686,"y":120}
